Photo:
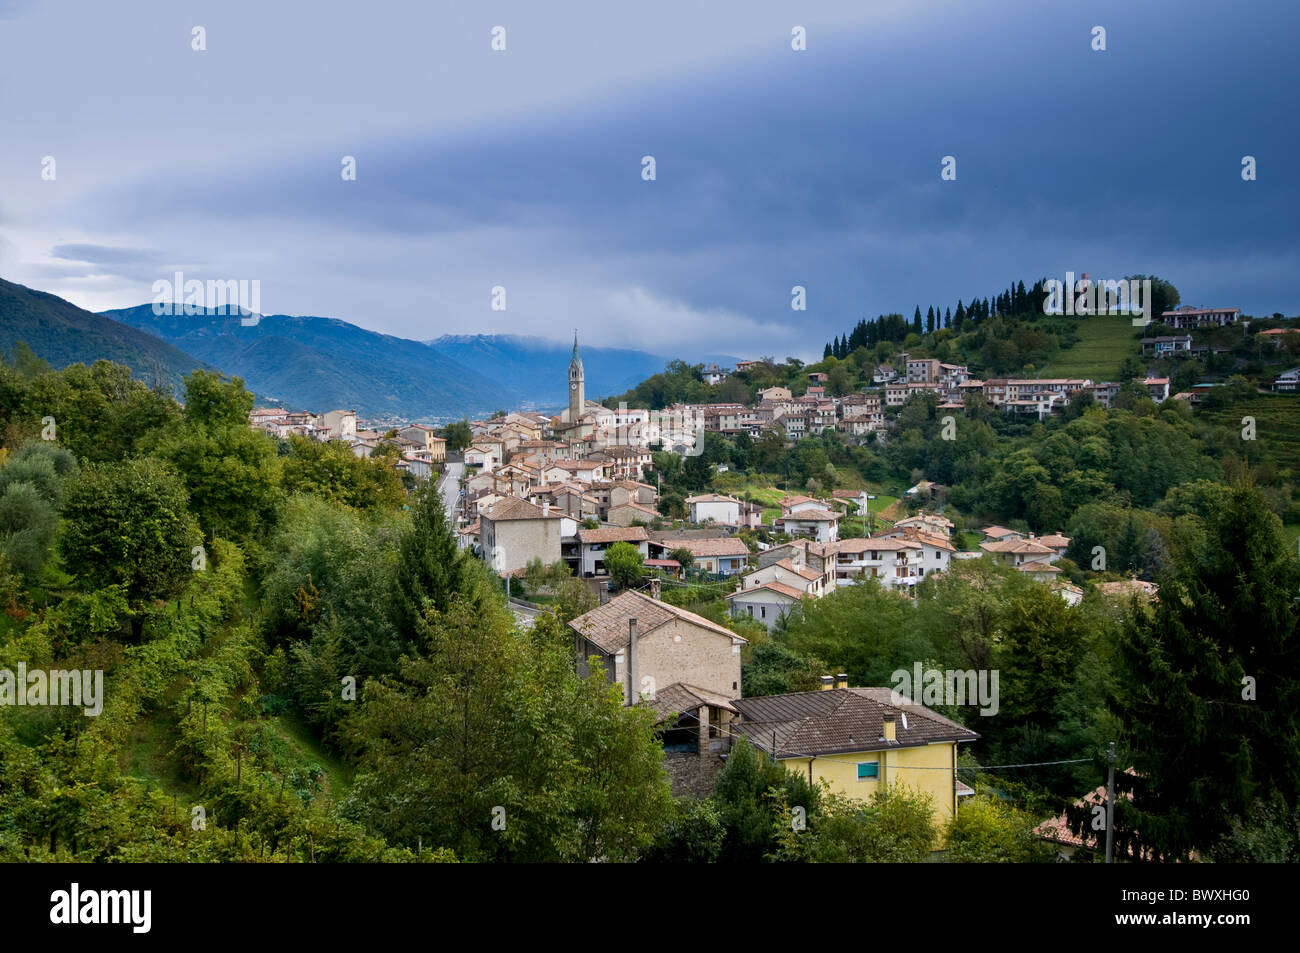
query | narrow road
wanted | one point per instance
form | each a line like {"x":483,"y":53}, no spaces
{"x":450,"y":487}
{"x":523,"y":613}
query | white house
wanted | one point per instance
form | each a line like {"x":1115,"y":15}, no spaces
{"x":724,"y":556}
{"x":897,"y":563}
{"x":814,"y":522}
{"x":714,"y":506}
{"x":768,"y":603}
{"x":485,"y":456}
{"x":341,"y":424}
{"x":801,"y":578}
{"x":1288,"y":381}
{"x":594,"y":542}
{"x":1019,"y":552}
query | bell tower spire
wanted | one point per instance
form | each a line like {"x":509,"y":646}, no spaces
{"x":577,"y":384}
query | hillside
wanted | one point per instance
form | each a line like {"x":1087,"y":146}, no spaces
{"x":64,"y":334}
{"x":1103,"y":345}
{"x":324,"y":363}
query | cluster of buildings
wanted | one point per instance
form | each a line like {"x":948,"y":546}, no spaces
{"x":899,"y":558}
{"x":687,"y":670}
{"x":421,"y":448}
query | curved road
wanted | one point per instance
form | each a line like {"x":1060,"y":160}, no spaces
{"x":450,"y":487}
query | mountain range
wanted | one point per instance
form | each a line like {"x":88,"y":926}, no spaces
{"x":63,"y":334}
{"x":322,"y":363}
{"x":536,"y":369}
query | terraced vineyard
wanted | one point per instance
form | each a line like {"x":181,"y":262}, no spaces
{"x":1277,"y":425}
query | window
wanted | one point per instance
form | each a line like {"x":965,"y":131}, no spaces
{"x":868,"y":770}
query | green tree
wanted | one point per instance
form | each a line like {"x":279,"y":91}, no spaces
{"x":625,"y":564}
{"x":129,"y":525}
{"x":458,"y":436}
{"x":27,"y":526}
{"x":214,"y":400}
{"x":490,"y":745}
{"x":987,"y":831}
{"x":1212,"y":669}
{"x":432,"y":569}
{"x":332,"y":471}
{"x":683,"y":556}
{"x":751,"y":793}
{"x":231,"y":471}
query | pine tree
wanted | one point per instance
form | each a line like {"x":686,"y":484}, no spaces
{"x":959,"y":318}
{"x":827,"y":352}
{"x":929,"y":320}
{"x":1209,"y":685}
{"x":947,"y":317}
{"x":916,"y":320}
{"x":431,"y":568}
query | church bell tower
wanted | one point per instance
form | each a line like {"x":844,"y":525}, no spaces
{"x":577,"y":387}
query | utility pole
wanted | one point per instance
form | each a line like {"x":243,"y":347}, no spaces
{"x":1110,"y":804}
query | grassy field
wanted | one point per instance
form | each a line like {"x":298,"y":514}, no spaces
{"x":1104,"y":343}
{"x":1275,"y":424}
{"x":771,"y":496}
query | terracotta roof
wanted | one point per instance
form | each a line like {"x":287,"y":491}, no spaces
{"x":811,"y":516}
{"x":877,"y":544}
{"x":780,"y":587}
{"x":841,"y":720}
{"x":1025,"y":547}
{"x":804,"y":571}
{"x":1055,"y":541}
{"x":728,"y":546}
{"x":1126,"y":587}
{"x":929,"y":539}
{"x":513,"y":508}
{"x":613,"y":534}
{"x":680,"y":697}
{"x":1058,"y":828}
{"x":634,"y":506}
{"x":606,"y":626}
{"x":1038,"y":567}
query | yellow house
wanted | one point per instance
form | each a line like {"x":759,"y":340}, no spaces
{"x":860,"y":740}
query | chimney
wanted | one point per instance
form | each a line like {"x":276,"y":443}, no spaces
{"x":546,"y":508}
{"x":887,"y":729}
{"x":631,"y":662}
{"x":654,"y":589}
{"x":842,"y":680}
{"x":828,"y":682}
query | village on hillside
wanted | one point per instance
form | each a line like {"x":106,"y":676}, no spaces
{"x":532,"y":494}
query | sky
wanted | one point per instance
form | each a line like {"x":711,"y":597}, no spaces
{"x":522,"y":168}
